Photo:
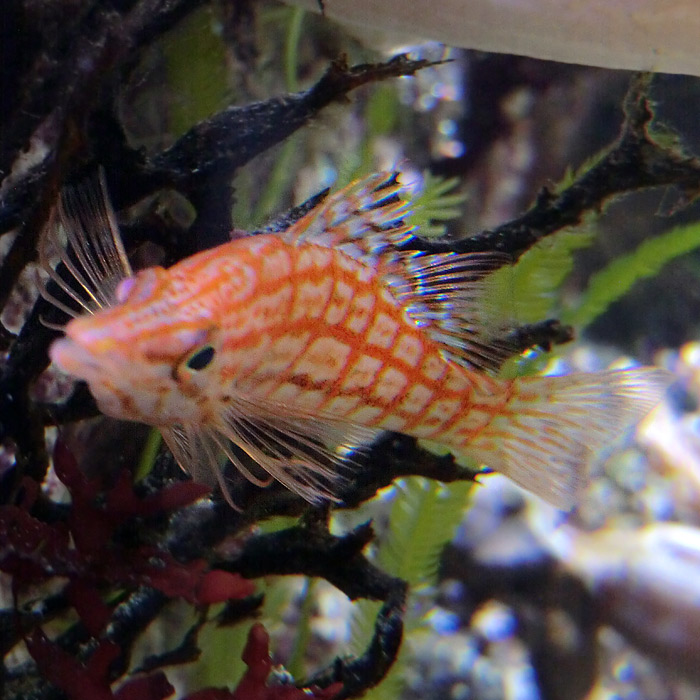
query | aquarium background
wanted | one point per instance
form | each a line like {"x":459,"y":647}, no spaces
{"x":507,"y":597}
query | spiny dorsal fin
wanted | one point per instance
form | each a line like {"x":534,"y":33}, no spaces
{"x":364,"y":220}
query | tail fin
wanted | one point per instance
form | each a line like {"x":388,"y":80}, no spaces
{"x":553,"y":425}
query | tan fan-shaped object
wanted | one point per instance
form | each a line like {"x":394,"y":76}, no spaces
{"x":650,"y":35}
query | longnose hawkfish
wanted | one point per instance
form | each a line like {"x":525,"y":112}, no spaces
{"x":292,"y":350}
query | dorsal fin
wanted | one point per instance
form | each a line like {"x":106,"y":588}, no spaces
{"x":364,"y":219}
{"x":446,"y":294}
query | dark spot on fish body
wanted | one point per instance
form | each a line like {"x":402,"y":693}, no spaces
{"x":187,"y":389}
{"x":307,"y":383}
{"x":157,"y":357}
{"x":128,"y":405}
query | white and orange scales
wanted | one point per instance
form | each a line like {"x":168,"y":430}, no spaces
{"x":298,"y":348}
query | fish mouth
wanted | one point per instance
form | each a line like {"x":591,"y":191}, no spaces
{"x":74,"y":359}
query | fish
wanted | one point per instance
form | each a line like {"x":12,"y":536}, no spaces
{"x":288,"y":353}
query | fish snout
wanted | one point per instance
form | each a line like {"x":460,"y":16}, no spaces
{"x":73,"y":358}
{"x":85,"y":351}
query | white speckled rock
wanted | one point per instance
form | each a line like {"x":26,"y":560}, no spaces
{"x":656,"y":35}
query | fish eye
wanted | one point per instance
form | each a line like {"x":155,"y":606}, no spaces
{"x":200,"y":358}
